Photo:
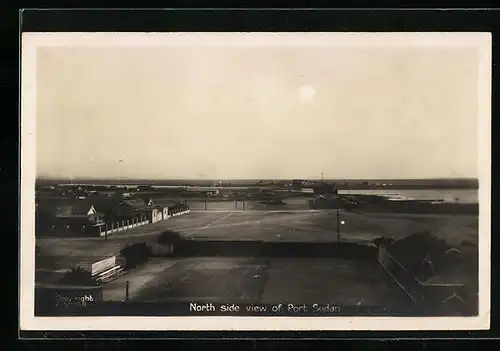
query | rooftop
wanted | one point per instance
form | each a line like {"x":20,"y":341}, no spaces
{"x":165,"y":202}
{"x":69,"y":207}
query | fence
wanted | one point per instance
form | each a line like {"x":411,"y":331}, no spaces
{"x":105,"y":269}
{"x":417,"y":290}
{"x":249,"y":205}
{"x":399,"y":274}
{"x":175,"y":214}
{"x":102,"y":265}
{"x":108,"y":274}
{"x":119,"y":226}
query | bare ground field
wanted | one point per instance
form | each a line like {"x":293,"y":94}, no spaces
{"x":254,"y":280}
{"x":307,"y":226}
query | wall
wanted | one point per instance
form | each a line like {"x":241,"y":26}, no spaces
{"x":156,"y":215}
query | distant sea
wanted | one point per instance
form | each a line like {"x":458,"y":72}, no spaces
{"x":441,"y":195}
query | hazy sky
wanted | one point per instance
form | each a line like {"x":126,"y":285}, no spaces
{"x":250,"y":112}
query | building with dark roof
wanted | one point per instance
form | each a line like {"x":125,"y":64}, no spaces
{"x":100,"y":215}
{"x":70,"y":217}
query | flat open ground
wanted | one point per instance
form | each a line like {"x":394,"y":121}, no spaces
{"x":296,"y":226}
{"x":258,"y":279}
{"x":252,"y":280}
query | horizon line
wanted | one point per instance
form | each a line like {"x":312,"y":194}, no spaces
{"x":238,"y":178}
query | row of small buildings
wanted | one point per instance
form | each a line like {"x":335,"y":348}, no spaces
{"x":100,"y":216}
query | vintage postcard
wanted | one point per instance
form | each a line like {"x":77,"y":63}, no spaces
{"x":255,"y":181}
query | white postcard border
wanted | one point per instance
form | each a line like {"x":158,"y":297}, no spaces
{"x":31,"y":41}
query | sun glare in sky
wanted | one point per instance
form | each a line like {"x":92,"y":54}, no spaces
{"x":307,"y":93}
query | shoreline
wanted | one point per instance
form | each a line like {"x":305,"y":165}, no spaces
{"x":382,"y":204}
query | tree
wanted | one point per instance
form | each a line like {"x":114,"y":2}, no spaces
{"x":136,"y":254}
{"x":170,"y":239}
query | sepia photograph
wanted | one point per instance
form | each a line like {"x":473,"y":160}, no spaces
{"x":339,"y":181}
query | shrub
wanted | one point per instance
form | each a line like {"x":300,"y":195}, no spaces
{"x":79,"y":276}
{"x":136,"y":254}
{"x":421,"y":247}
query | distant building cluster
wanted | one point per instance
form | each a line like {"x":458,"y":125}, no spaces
{"x":301,"y":183}
{"x":100,"y":216}
{"x":325,"y":189}
{"x":82,"y":192}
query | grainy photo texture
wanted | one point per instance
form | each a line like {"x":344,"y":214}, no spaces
{"x":219,"y":181}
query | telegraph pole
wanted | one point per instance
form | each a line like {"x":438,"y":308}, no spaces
{"x":37,"y":219}
{"x":338,"y":224}
{"x":127,"y":285}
